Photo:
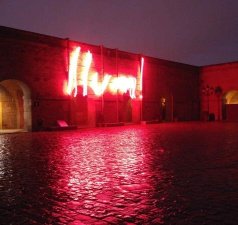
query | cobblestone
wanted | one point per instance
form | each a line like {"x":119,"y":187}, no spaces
{"x":169,"y":173}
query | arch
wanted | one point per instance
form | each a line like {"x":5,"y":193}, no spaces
{"x":231,"y":97}
{"x":15,"y":105}
{"x":230,"y":105}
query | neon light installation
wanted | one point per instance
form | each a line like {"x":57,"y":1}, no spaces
{"x":86,"y":63}
{"x":121,"y":83}
{"x":97,"y":88}
{"x":72,"y":79}
{"x":141,"y":76}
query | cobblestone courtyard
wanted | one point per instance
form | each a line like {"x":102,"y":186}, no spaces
{"x":175,"y":173}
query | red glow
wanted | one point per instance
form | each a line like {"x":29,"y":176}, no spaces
{"x":86,"y":63}
{"x":72,"y":79}
{"x":99,"y":89}
{"x":116,"y":84}
{"x":65,"y":88}
{"x":124,"y":84}
{"x":88,"y":174}
{"x":141,"y":73}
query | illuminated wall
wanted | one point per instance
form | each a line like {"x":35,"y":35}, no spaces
{"x":89,"y":85}
{"x":100,"y":82}
{"x":110,"y":80}
{"x":40,"y":63}
{"x":170,"y":91}
{"x":223,"y":105}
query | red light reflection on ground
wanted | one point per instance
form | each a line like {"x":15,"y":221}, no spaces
{"x":167,"y":173}
{"x":109,"y":170}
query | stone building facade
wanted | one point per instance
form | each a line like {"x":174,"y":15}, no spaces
{"x":45,"y":79}
{"x":219,"y":91}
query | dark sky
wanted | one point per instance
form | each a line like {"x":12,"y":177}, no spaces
{"x":196,"y":32}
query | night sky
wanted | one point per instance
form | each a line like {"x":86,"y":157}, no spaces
{"x":196,"y":32}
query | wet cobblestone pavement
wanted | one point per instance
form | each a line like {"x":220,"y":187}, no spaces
{"x":177,"y":173}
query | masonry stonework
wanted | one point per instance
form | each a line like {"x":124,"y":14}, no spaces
{"x":223,"y":104}
{"x":34,"y":72}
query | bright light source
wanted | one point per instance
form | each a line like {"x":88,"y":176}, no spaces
{"x":86,"y":63}
{"x":141,"y":73}
{"x":72,"y":77}
{"x":97,"y":88}
{"x":116,"y":84}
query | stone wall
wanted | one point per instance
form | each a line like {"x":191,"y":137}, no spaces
{"x":177,"y":84}
{"x":225,"y":77}
{"x":41,"y":62}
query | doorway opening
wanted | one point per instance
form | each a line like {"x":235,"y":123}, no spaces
{"x":15,"y":106}
{"x":230,"y":106}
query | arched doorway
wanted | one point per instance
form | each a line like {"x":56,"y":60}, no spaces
{"x":15,"y":106}
{"x":230,"y":106}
